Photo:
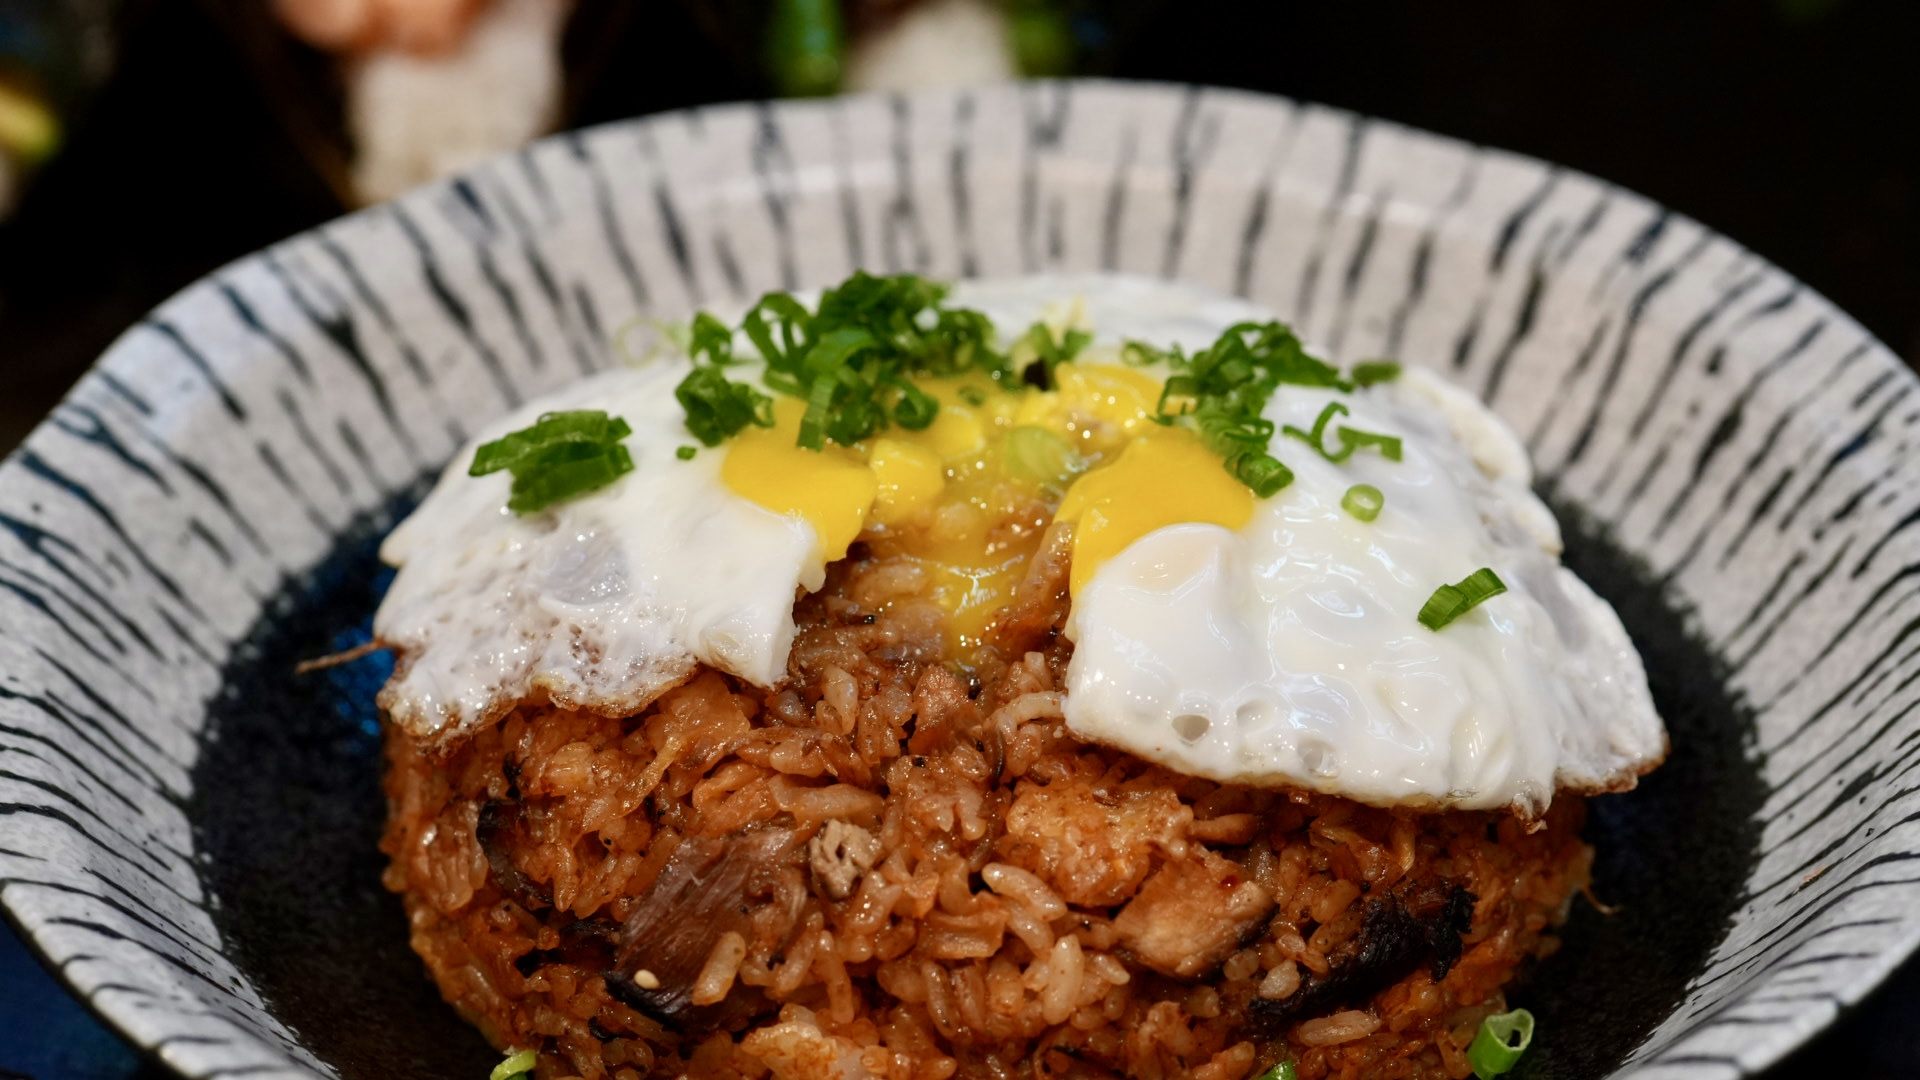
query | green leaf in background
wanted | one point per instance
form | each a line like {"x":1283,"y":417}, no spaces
{"x":1042,"y":36}
{"x":27,"y":127}
{"x":805,"y":46}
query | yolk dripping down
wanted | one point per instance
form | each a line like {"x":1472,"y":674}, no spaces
{"x":832,"y":489}
{"x":970,"y":496}
{"x":1167,"y":477}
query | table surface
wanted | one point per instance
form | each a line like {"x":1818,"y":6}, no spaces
{"x":1786,"y":124}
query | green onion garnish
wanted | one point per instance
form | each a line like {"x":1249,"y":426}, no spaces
{"x":587,"y":427}
{"x":1221,"y":390}
{"x":1316,"y":437}
{"x":1500,"y":1042}
{"x":916,"y":408}
{"x":685,"y":453}
{"x":717,"y":409}
{"x":517,"y":1065}
{"x":851,"y":359}
{"x":1282,"y":1071}
{"x":1351,"y":439}
{"x":1050,"y":352}
{"x":1449,"y":602}
{"x":1374,"y":372}
{"x":1263,"y":473}
{"x":1363,"y":501}
{"x":1040,"y":457}
{"x":1141,"y":354}
{"x":561,"y":455}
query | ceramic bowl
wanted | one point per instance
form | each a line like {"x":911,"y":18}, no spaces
{"x":187,"y":829}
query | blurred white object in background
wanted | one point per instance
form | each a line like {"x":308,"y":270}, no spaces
{"x":934,"y":44}
{"x":434,"y":85}
{"x":415,"y":117}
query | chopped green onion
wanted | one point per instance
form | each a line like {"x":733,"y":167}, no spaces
{"x":1374,"y":372}
{"x":1221,"y":391}
{"x":1497,"y":1047}
{"x":1317,"y":437}
{"x":1449,"y":602}
{"x":1262,"y":472}
{"x":518,"y":1063}
{"x":916,"y":408}
{"x":852,"y":359}
{"x":565,"y":472}
{"x":710,"y":336}
{"x":1050,"y":351}
{"x":685,"y":453}
{"x":1040,"y":457}
{"x":706,"y":334}
{"x":1282,"y":1071}
{"x":1141,"y":354}
{"x":813,"y":424}
{"x":590,"y":427}
{"x":643,"y":339}
{"x":1351,"y":439}
{"x":717,"y":409}
{"x":1363,"y":501}
{"x":561,"y":455}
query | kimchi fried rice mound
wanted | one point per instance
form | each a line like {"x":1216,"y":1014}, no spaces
{"x":900,"y":864}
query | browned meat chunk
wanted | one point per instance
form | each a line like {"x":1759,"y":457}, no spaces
{"x":1415,"y":923}
{"x":1192,"y":914}
{"x":1093,"y":846}
{"x":707,"y":887}
{"x":1038,"y":608}
{"x":838,"y":855}
{"x":498,"y":822}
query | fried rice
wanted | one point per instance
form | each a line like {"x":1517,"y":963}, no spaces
{"x":899,"y":863}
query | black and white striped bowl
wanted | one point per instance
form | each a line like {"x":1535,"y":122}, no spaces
{"x":187,"y":830}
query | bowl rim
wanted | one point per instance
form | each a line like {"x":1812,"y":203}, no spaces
{"x":1871,"y":972}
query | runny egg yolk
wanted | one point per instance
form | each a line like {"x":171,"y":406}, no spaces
{"x":1100,"y":406}
{"x":1164,"y":477}
{"x":831,"y":489}
{"x":910,"y":477}
{"x":970,"y":495}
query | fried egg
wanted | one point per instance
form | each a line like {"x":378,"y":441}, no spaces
{"x":1271,"y":641}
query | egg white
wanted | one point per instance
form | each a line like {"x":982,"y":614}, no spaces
{"x":1286,"y":652}
{"x":1290,"y":651}
{"x":602,"y":603}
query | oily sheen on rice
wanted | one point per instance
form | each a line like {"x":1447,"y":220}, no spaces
{"x":1113,"y":770}
{"x":1008,"y":904}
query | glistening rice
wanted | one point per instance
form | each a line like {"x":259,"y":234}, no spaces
{"x":900,"y":864}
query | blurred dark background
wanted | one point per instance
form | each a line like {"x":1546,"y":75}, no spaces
{"x":1789,"y":125}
